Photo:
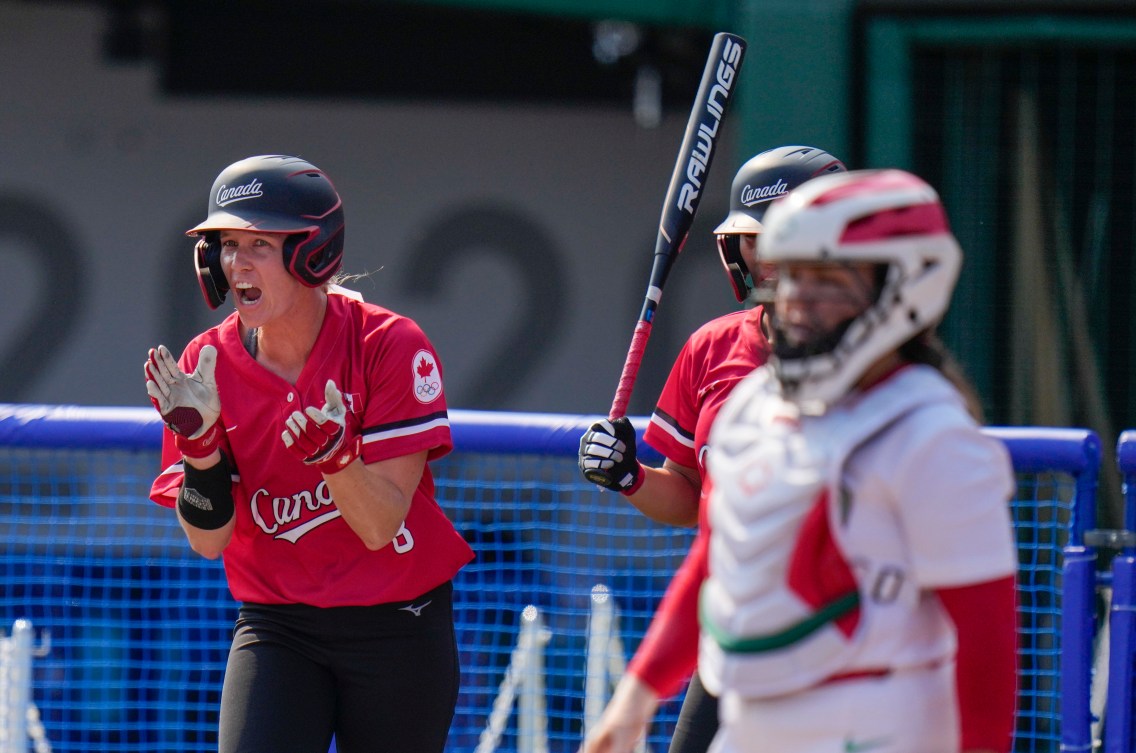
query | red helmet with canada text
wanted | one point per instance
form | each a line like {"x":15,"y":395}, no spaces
{"x":758,"y":182}
{"x":272,"y":194}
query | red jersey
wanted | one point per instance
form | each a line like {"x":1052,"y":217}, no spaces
{"x":714,"y":359}
{"x":290,"y":544}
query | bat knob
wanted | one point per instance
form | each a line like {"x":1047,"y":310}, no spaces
{"x":597,"y":476}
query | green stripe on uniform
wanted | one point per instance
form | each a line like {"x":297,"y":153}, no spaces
{"x":757,"y":644}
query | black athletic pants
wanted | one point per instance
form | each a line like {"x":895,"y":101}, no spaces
{"x":697,"y":722}
{"x":381,"y":678}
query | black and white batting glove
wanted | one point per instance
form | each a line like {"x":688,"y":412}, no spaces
{"x":322,"y":436}
{"x":189,"y":403}
{"x":607,"y":456}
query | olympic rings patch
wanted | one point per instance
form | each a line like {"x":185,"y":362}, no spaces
{"x":427,"y":377}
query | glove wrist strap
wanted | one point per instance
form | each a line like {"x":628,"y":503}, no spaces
{"x":640,"y":476}
{"x":342,"y":456}
{"x":199,"y":448}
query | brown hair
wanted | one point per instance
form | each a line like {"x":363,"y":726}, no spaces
{"x":927,"y":348}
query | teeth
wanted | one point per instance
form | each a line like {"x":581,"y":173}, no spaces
{"x":243,"y":286}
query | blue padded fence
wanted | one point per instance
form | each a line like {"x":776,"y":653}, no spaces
{"x":1120,"y":712}
{"x":140,"y":626}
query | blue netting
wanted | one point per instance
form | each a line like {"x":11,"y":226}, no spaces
{"x":140,"y":626}
{"x":1042,"y":514}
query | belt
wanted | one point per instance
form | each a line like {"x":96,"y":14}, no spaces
{"x":860,"y":674}
{"x":864,"y":674}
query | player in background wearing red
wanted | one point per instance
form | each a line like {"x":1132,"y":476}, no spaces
{"x":296,"y":448}
{"x":715,"y":358}
{"x":861,"y":567}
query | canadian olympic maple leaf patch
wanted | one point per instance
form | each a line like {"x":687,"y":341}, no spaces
{"x":427,"y":377}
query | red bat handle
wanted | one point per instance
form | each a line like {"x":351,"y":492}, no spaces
{"x":630,"y":369}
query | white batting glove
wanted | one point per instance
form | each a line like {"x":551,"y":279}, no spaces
{"x":188,"y":403}
{"x":322,"y":436}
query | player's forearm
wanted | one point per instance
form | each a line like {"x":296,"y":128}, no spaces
{"x":667,"y":496}
{"x":209,"y":544}
{"x":373,"y":507}
{"x":205,"y":504}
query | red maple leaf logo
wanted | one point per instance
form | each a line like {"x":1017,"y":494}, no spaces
{"x":425,"y":368}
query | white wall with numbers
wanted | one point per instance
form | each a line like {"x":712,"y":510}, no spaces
{"x":519,"y":237}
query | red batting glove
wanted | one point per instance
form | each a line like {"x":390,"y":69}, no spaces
{"x":188,"y":403}
{"x":321,"y":436}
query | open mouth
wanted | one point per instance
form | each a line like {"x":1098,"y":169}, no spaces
{"x":248,"y":294}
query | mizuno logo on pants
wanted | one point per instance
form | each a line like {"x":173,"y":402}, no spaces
{"x":415,"y":610}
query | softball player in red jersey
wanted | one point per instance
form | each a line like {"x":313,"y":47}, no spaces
{"x":860,"y":590}
{"x":298,"y":435}
{"x":714,"y":359}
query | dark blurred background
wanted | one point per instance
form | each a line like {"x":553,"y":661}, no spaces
{"x":503,"y":165}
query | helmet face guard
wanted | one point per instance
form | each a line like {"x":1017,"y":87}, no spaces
{"x":888,"y":217}
{"x":272,"y":194}
{"x":210,"y":276}
{"x":769,"y":175}
{"x":730,"y":252}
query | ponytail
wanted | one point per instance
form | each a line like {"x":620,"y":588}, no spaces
{"x":927,"y":348}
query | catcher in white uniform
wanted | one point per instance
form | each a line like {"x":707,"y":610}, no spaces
{"x":861,"y":589}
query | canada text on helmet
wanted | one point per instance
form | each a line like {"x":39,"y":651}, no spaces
{"x":763,"y":178}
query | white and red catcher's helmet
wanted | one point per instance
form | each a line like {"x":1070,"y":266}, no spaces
{"x":763,"y":178}
{"x":890,"y":217}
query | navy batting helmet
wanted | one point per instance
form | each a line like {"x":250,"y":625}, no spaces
{"x":762,"y":179}
{"x":272,"y":194}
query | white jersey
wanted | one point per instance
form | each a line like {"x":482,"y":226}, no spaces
{"x":829,"y":533}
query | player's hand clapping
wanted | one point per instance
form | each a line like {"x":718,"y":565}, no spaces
{"x":188,"y":403}
{"x":607,"y":456}
{"x":321,"y":436}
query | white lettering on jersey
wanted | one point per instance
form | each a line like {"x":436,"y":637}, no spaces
{"x":285,"y":510}
{"x":292,"y":535}
{"x":403,"y":541}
